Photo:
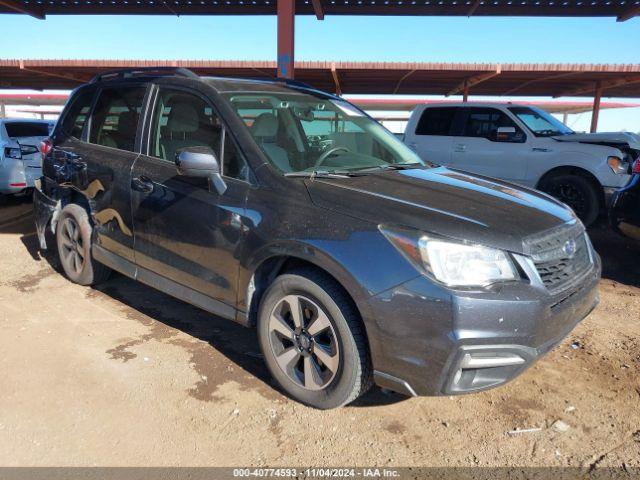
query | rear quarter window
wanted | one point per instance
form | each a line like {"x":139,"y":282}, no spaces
{"x":436,"y":121}
{"x":77,"y":113}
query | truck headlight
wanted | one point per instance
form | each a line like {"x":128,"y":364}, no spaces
{"x":619,"y":166}
{"x":453,"y":263}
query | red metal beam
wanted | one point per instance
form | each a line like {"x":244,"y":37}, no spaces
{"x":475,"y":80}
{"x":286,"y":38}
{"x":596,"y":108}
{"x":336,"y":80}
{"x":629,"y":14}
{"x":619,"y":82}
{"x":19,"y":7}
{"x":317,"y":9}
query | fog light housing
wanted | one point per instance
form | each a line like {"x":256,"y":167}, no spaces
{"x":482,"y":367}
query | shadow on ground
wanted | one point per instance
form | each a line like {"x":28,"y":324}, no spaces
{"x":143,"y":303}
{"x":620,"y":258}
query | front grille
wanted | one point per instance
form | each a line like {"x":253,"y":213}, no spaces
{"x":559,"y":266}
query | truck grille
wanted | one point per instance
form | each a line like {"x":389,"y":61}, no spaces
{"x":561,"y":257}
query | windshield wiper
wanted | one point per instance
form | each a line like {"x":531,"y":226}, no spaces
{"x":320,"y":174}
{"x":390,"y":166}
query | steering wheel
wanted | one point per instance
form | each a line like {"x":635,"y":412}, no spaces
{"x":328,"y":153}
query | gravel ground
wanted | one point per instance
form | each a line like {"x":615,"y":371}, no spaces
{"x":122,"y":375}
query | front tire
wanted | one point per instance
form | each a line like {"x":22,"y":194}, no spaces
{"x":577,"y":192}
{"x":313,"y":341}
{"x":73,"y":238}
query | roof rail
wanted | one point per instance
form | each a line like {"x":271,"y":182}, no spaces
{"x":142,"y":72}
{"x":294,"y":83}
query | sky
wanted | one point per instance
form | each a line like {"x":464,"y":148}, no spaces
{"x":337,"y":38}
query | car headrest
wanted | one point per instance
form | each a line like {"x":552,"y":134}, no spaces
{"x":127,"y":122}
{"x":265,"y":126}
{"x":183,"y":118}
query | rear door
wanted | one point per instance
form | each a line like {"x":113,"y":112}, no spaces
{"x":431,"y":137}
{"x":477,"y":148}
{"x":186,"y":231}
{"x":94,"y":155}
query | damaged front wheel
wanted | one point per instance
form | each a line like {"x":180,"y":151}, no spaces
{"x":73,"y":237}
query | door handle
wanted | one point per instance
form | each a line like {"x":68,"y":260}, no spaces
{"x":142,"y":184}
{"x":460,"y":147}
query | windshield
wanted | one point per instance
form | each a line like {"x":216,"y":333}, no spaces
{"x":540,"y":122}
{"x":301,"y":132}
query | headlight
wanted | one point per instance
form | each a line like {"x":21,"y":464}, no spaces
{"x":453,"y":263}
{"x":618,"y":166}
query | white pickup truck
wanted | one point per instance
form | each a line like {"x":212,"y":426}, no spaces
{"x":528,"y":146}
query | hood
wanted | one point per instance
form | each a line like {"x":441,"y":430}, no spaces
{"x":446,"y":202}
{"x":613,"y":139}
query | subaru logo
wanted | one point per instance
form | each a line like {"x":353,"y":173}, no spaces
{"x":569,"y":248}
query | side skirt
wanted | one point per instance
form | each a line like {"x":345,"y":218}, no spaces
{"x":167,"y":286}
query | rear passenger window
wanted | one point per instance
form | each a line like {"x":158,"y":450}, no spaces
{"x":115,"y":117}
{"x":484,"y":123}
{"x":77,"y":114}
{"x":436,"y":121}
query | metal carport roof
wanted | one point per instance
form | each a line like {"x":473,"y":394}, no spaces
{"x":621,"y":9}
{"x":570,"y":80}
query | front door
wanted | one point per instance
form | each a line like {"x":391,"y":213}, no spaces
{"x":477,"y":149}
{"x":185,"y":231}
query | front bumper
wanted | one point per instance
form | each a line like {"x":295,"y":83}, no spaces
{"x":432,"y":341}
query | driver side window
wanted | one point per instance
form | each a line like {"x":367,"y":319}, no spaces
{"x":181,"y":120}
{"x":484,"y":123}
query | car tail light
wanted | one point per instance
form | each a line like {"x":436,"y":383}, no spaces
{"x":636,"y":166}
{"x":45,"y":147}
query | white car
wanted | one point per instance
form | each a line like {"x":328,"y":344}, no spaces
{"x":528,"y":146}
{"x":20,"y":159}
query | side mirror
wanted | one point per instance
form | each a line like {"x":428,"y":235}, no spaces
{"x":508,"y":134}
{"x":200,"y":162}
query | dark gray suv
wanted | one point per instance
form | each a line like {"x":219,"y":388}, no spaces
{"x":290,"y":210}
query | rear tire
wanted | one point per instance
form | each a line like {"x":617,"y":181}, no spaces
{"x":577,"y":192}
{"x":319,"y":356}
{"x":73,"y":238}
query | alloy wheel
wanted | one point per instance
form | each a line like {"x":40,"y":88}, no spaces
{"x":72,"y":252}
{"x":304,"y":342}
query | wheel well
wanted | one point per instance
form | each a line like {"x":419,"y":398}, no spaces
{"x":271,"y":268}
{"x":567,"y":170}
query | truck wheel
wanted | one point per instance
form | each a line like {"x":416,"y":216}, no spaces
{"x":73,"y":237}
{"x":313,"y":341}
{"x":577,"y":192}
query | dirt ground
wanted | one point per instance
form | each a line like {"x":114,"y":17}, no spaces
{"x":122,"y":375}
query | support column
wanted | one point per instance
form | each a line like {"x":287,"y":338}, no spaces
{"x":596,"y":108}
{"x":465,"y":92}
{"x":3,"y":111}
{"x":565,"y":117}
{"x":286,"y":38}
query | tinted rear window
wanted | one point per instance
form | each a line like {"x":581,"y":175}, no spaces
{"x":27,"y":129}
{"x":77,"y":114}
{"x":436,"y":121}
